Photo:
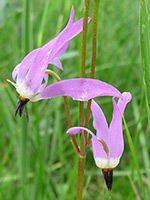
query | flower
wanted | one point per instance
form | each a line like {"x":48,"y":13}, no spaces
{"x":108,"y":143}
{"x":30,"y":73}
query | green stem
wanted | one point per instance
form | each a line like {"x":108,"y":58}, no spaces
{"x":81,"y":163}
{"x":81,"y":166}
{"x":94,"y":35}
{"x":83,"y":55}
{"x":84,"y":34}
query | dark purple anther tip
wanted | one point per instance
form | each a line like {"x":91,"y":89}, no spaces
{"x":20,"y":106}
{"x":17,"y":107}
{"x":108,"y":176}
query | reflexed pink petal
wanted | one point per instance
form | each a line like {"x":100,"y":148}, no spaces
{"x":123,"y":102}
{"x":116,"y":143}
{"x":98,"y":150}
{"x":57,"y":63}
{"x":25,"y":65}
{"x":71,"y":17}
{"x":67,"y":35}
{"x":81,"y":89}
{"x":99,"y":122}
{"x":49,"y":45}
{"x":15,"y":72}
{"x":36,"y":73}
{"x":76,"y":130}
{"x":62,"y":50}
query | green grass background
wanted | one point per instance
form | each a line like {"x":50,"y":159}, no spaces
{"x":37,"y":160}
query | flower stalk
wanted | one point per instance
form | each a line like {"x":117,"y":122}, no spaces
{"x":94,"y":36}
{"x":81,"y":162}
{"x":81,"y":115}
{"x":83,"y":55}
{"x":81,"y":166}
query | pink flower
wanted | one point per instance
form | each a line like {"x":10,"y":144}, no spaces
{"x":30,"y":73}
{"x":108,"y":142}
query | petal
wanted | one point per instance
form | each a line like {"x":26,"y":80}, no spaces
{"x":45,"y":83}
{"x":123,"y":102}
{"x":57,"y":63}
{"x":50,"y":44}
{"x":81,"y":89}
{"x":15,"y":72}
{"x":99,"y":122}
{"x":49,"y":52}
{"x":66,"y":36}
{"x":25,"y":65}
{"x":62,"y":50}
{"x":71,"y":17}
{"x":98,"y":150}
{"x":116,"y":143}
{"x":76,"y":130}
{"x":36,"y":73}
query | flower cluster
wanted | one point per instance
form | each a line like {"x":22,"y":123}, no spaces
{"x":29,"y":75}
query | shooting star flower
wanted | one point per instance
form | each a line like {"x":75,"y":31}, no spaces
{"x":107,"y":144}
{"x":30,"y":73}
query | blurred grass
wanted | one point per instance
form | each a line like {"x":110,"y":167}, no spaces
{"x":52,"y":163}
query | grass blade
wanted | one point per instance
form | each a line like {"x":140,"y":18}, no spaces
{"x":134,"y":157}
{"x":27,"y":47}
{"x":145,"y":49}
{"x":45,"y":10}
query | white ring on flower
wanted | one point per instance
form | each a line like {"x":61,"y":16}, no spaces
{"x":107,"y":163}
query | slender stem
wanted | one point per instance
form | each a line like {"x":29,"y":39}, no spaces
{"x":50,"y":72}
{"x":81,"y":163}
{"x":94,"y":35}
{"x":84,"y":34}
{"x":70,"y":123}
{"x":81,"y":113}
{"x":81,"y":166}
{"x":83,"y":55}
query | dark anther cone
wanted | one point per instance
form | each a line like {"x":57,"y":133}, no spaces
{"x":108,"y":176}
{"x":20,"y":106}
